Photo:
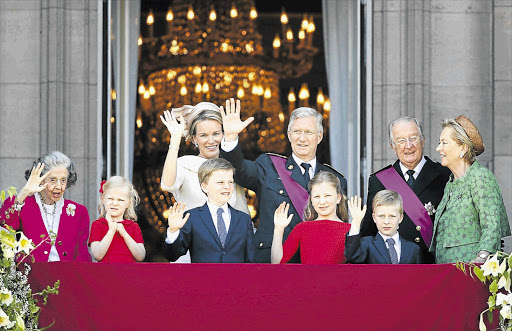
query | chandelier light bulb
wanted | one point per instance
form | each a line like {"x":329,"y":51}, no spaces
{"x":190,"y":13}
{"x":151,"y":18}
{"x":277,"y":42}
{"x":253,"y":13}
{"x":198,"y":88}
{"x":291,"y":96}
{"x":267,"y":94}
{"x":327,"y":105}
{"x":139,"y":41}
{"x":233,"y":13}
{"x":311,"y":26}
{"x":240,"y":93}
{"x":284,"y":17}
{"x":151,"y":89}
{"x":302,"y":34}
{"x":213,"y":14}
{"x":142,"y":89}
{"x":183,"y":91}
{"x":289,"y":34}
{"x":304,"y":92}
{"x":305,"y":23}
{"x":206,"y":87}
{"x":146,"y":95}
{"x":320,"y":97}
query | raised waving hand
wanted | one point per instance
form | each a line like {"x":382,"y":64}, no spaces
{"x":357,"y":213}
{"x":174,"y":126}
{"x":176,"y":219}
{"x":231,"y":120}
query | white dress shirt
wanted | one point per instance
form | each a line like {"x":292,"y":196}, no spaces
{"x":416,"y":169}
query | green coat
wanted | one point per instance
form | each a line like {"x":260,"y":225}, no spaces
{"x":471,"y":217}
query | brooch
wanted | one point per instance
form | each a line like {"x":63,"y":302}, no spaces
{"x":430,"y":208}
{"x":290,"y":167}
{"x":70,"y":209}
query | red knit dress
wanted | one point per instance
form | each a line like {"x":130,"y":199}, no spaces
{"x":320,"y":242}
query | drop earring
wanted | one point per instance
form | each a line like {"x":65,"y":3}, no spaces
{"x":461,"y":155}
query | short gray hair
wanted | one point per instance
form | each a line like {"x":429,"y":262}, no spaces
{"x":306,"y":112}
{"x":53,"y":160}
{"x":405,"y":119}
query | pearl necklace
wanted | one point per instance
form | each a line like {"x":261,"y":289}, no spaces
{"x":49,"y":225}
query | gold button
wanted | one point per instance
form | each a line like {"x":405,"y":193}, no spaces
{"x":417,"y":239}
{"x":261,"y":244}
{"x":46,"y":252}
{"x":418,"y":228}
{"x":280,"y":191}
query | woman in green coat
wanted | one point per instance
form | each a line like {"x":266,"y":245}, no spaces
{"x":471,"y":218}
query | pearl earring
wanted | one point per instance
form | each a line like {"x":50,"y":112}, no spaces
{"x":461,"y":155}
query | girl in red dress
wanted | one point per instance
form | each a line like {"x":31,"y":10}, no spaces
{"x":115,"y":236}
{"x":321,"y":237}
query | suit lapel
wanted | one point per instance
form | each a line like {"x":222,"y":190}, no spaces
{"x":206,"y":218}
{"x":379,"y":244}
{"x":427,"y":174}
{"x":296,"y":172}
{"x":232,"y":225}
{"x":405,"y":251}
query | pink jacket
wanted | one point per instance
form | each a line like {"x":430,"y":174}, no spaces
{"x":71,"y":241}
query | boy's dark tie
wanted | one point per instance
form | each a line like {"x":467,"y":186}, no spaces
{"x":392,"y":250}
{"x":221,"y":227}
{"x":411,"y":179}
{"x":306,"y":166}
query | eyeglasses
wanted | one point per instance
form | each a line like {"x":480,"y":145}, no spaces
{"x":299,"y":132}
{"x":53,"y":181}
{"x":402,"y":142}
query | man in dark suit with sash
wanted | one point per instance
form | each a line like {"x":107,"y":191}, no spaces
{"x":419,"y":181}
{"x":276,"y":178}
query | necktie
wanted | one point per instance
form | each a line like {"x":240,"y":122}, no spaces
{"x":411,"y":179}
{"x":392,"y":250}
{"x":306,"y":167}
{"x":221,"y":227}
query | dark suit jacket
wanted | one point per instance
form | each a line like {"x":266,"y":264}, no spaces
{"x":373,"y":250}
{"x":261,"y":177}
{"x":429,"y":187}
{"x":199,"y":235}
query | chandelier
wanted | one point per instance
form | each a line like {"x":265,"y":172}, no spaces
{"x":208,"y":50}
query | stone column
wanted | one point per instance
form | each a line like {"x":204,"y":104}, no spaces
{"x":48,"y":89}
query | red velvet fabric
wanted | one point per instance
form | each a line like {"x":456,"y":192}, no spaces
{"x":162,"y":296}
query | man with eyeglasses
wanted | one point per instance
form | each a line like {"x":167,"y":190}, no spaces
{"x":419,"y":181}
{"x":277,"y":178}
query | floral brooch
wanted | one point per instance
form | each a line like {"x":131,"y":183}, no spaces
{"x":70,"y":209}
{"x":430,"y":208}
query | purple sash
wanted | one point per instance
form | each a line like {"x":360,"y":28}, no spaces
{"x":413,"y":207}
{"x":298,"y":195}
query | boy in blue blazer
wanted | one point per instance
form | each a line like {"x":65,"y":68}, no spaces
{"x":387,"y":246}
{"x":214,"y":232}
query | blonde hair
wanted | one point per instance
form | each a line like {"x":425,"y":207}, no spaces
{"x":209,"y":166}
{"x":460,"y":136}
{"x":388,"y":198}
{"x":329,"y":178}
{"x":116,"y":182}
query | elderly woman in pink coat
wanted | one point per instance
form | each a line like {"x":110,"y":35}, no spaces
{"x":40,"y":210}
